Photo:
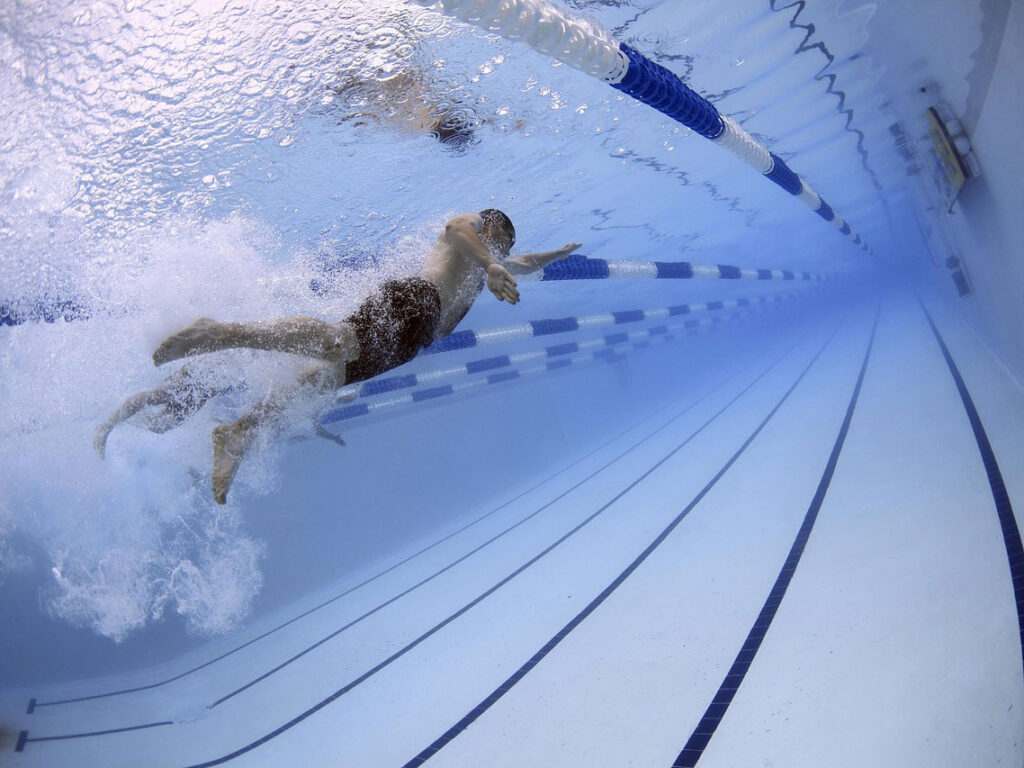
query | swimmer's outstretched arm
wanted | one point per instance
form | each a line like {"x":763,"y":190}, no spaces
{"x":127,"y":409}
{"x":531,"y":262}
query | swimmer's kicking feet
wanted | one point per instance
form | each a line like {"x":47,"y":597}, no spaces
{"x":175,"y":401}
{"x":389,"y":328}
{"x":165,"y":407}
{"x":230,"y":443}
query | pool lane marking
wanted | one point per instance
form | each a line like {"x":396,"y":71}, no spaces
{"x":713,"y":715}
{"x":1004,"y":509}
{"x":398,"y":654}
{"x":472,"y":552}
{"x":466,"y":556}
{"x":34,"y":703}
{"x":518,"y":675}
{"x":23,"y":736}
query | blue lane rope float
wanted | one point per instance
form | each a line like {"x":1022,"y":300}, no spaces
{"x":610,"y":349}
{"x":583,"y":45}
{"x":383,"y":385}
{"x":577,"y":267}
{"x":504,"y":366}
{"x":549,"y":326}
{"x":584,"y":268}
{"x":433,"y":393}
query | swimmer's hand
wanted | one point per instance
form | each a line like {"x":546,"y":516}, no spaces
{"x":565,"y":250}
{"x":501,"y":284}
{"x":533,"y":262}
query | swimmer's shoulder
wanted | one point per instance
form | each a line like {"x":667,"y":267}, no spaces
{"x":470,"y":219}
{"x":444,"y":248}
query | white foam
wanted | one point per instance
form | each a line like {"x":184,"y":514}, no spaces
{"x":136,"y":536}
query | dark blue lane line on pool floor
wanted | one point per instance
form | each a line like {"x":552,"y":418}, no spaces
{"x":520,"y":673}
{"x":473,"y":551}
{"x":34,"y":704}
{"x":480,"y":598}
{"x":1004,"y":509}
{"x":705,"y":729}
{"x":23,"y":737}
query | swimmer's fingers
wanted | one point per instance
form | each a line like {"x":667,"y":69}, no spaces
{"x":511,"y":294}
{"x":508,"y":292}
{"x":501,"y":284}
{"x":348,"y":397}
{"x":568,"y":248}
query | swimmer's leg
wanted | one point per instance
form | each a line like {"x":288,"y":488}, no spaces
{"x":181,"y":396}
{"x":186,"y":396}
{"x":232,"y":441}
{"x":128,"y":408}
{"x":297,"y":335}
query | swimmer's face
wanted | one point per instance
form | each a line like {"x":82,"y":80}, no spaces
{"x":497,"y":239}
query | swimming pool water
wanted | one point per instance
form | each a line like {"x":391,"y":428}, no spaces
{"x":569,"y":567}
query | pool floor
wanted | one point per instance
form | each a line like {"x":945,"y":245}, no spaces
{"x":804,"y":564}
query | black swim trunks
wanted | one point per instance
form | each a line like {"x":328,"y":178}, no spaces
{"x":392,"y":325}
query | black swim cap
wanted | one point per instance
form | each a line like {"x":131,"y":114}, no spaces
{"x":499,"y":218}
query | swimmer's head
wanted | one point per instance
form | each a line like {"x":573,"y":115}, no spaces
{"x":498,"y":230}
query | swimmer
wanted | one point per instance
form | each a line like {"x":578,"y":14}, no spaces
{"x":388,"y":329}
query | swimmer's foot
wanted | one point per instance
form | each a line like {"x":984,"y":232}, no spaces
{"x":99,"y":440}
{"x":230,"y":442}
{"x":202,"y":336}
{"x":321,"y":432}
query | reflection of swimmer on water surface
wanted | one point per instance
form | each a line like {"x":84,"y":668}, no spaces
{"x":405,"y":102}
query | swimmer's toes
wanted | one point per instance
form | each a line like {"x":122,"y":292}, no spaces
{"x":220,"y":492}
{"x":229,"y":446}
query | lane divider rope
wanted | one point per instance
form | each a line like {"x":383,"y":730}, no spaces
{"x":581,"y":267}
{"x":472,"y":338}
{"x":610,"y":349}
{"x":510,"y":367}
{"x":584,"y":45}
